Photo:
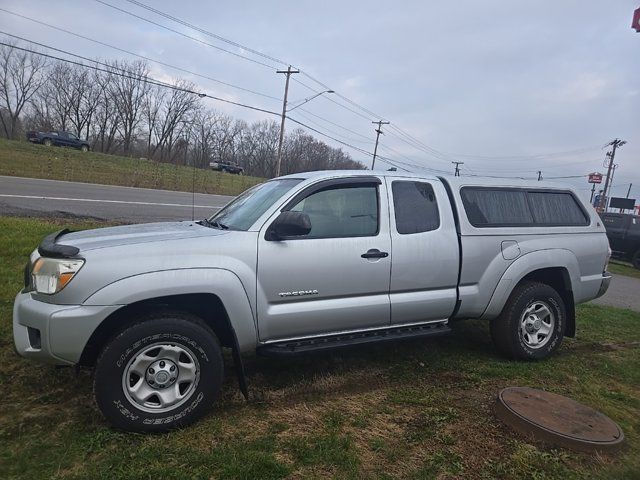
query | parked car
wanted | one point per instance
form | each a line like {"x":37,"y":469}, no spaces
{"x":306,"y":263}
{"x":623,"y":231}
{"x":59,"y":139}
{"x":227,"y":167}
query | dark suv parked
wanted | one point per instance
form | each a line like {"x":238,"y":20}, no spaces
{"x":59,"y":139}
{"x":623,"y":231}
{"x":227,"y":167}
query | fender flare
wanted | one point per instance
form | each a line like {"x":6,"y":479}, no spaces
{"x":526,"y":264}
{"x":217,"y":281}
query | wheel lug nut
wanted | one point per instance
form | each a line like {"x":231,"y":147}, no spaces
{"x":173,"y":367}
{"x":152,"y":371}
{"x":161,"y":364}
{"x":150,"y":382}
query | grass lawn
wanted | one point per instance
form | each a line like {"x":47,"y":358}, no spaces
{"x":418,"y":409}
{"x":623,"y":268}
{"x":23,"y":159}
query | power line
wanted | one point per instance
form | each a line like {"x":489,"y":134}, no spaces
{"x":202,"y":30}
{"x":145,"y":79}
{"x":185,"y":35}
{"x":69,"y":32}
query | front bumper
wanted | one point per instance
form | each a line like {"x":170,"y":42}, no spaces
{"x":55,"y":334}
{"x":604,"y":285}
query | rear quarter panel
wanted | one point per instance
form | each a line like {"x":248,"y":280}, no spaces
{"x":488,"y":275}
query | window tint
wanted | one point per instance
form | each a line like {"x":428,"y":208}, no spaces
{"x":556,"y":208}
{"x":347,"y":211}
{"x":494,"y":207}
{"x":416,"y":209}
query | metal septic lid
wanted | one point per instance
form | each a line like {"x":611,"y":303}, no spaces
{"x":557,"y":420}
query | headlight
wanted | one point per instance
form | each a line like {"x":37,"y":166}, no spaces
{"x":50,"y":275}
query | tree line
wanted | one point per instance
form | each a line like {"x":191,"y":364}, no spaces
{"x":119,"y":111}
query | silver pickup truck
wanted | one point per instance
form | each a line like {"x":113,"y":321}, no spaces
{"x":305,"y":263}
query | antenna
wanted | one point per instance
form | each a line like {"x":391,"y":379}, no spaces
{"x":193,"y":191}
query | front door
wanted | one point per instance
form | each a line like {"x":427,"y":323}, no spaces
{"x":336,"y":278}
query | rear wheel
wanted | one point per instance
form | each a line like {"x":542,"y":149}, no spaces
{"x":47,"y":142}
{"x":635,"y":260}
{"x":532,"y":323}
{"x":158,"y":375}
{"x":84,"y":148}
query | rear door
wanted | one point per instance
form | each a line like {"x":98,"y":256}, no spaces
{"x":424,"y":272}
{"x":336,"y":278}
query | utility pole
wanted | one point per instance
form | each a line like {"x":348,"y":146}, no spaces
{"x":539,"y":175}
{"x":378,"y":132}
{"x":610,"y":155}
{"x":288,"y":73}
{"x":457,"y":172}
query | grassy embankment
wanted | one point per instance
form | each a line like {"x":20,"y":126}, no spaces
{"x":413,"y":410}
{"x":23,"y":159}
{"x":623,"y":268}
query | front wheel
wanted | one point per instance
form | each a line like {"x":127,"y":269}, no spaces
{"x":532,"y":323}
{"x":84,"y":148}
{"x":160,"y":374}
{"x":635,"y":260}
{"x":47,"y":142}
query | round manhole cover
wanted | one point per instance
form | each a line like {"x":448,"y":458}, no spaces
{"x":557,"y":420}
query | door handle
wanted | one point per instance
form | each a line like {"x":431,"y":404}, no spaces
{"x":374,"y":253}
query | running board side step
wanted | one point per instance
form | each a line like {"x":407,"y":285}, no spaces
{"x":319,"y":344}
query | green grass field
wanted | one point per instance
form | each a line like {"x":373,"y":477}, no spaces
{"x":623,"y":268}
{"x":23,"y":159}
{"x":411,"y":410}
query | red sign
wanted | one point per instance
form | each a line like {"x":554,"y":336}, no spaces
{"x":635,"y":24}
{"x":595,"y":178}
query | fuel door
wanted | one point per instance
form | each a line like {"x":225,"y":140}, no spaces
{"x":510,"y":249}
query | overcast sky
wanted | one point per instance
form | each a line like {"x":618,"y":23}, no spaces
{"x":501,"y":85}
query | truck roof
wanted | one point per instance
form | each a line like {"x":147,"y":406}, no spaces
{"x":450,"y":179}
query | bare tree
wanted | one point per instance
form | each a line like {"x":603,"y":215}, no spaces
{"x":173,"y":119}
{"x":21,"y":75}
{"x":128,"y":93}
{"x":106,"y":116}
{"x":83,"y":101}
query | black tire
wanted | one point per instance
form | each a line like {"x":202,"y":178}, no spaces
{"x":178,"y":331}
{"x":47,"y":143}
{"x":507,"y":331}
{"x":635,"y":260}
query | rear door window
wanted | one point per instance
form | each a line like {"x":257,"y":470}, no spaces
{"x":416,"y":208}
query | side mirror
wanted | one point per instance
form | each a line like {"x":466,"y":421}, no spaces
{"x":289,"y":224}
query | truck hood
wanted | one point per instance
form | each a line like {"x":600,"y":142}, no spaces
{"x":134,"y":234}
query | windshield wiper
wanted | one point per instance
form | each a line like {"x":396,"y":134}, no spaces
{"x":215,"y":224}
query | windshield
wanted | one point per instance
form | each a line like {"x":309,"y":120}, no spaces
{"x":242,"y":212}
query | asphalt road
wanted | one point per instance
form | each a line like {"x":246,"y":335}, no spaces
{"x":30,"y":196}
{"x":623,"y":292}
